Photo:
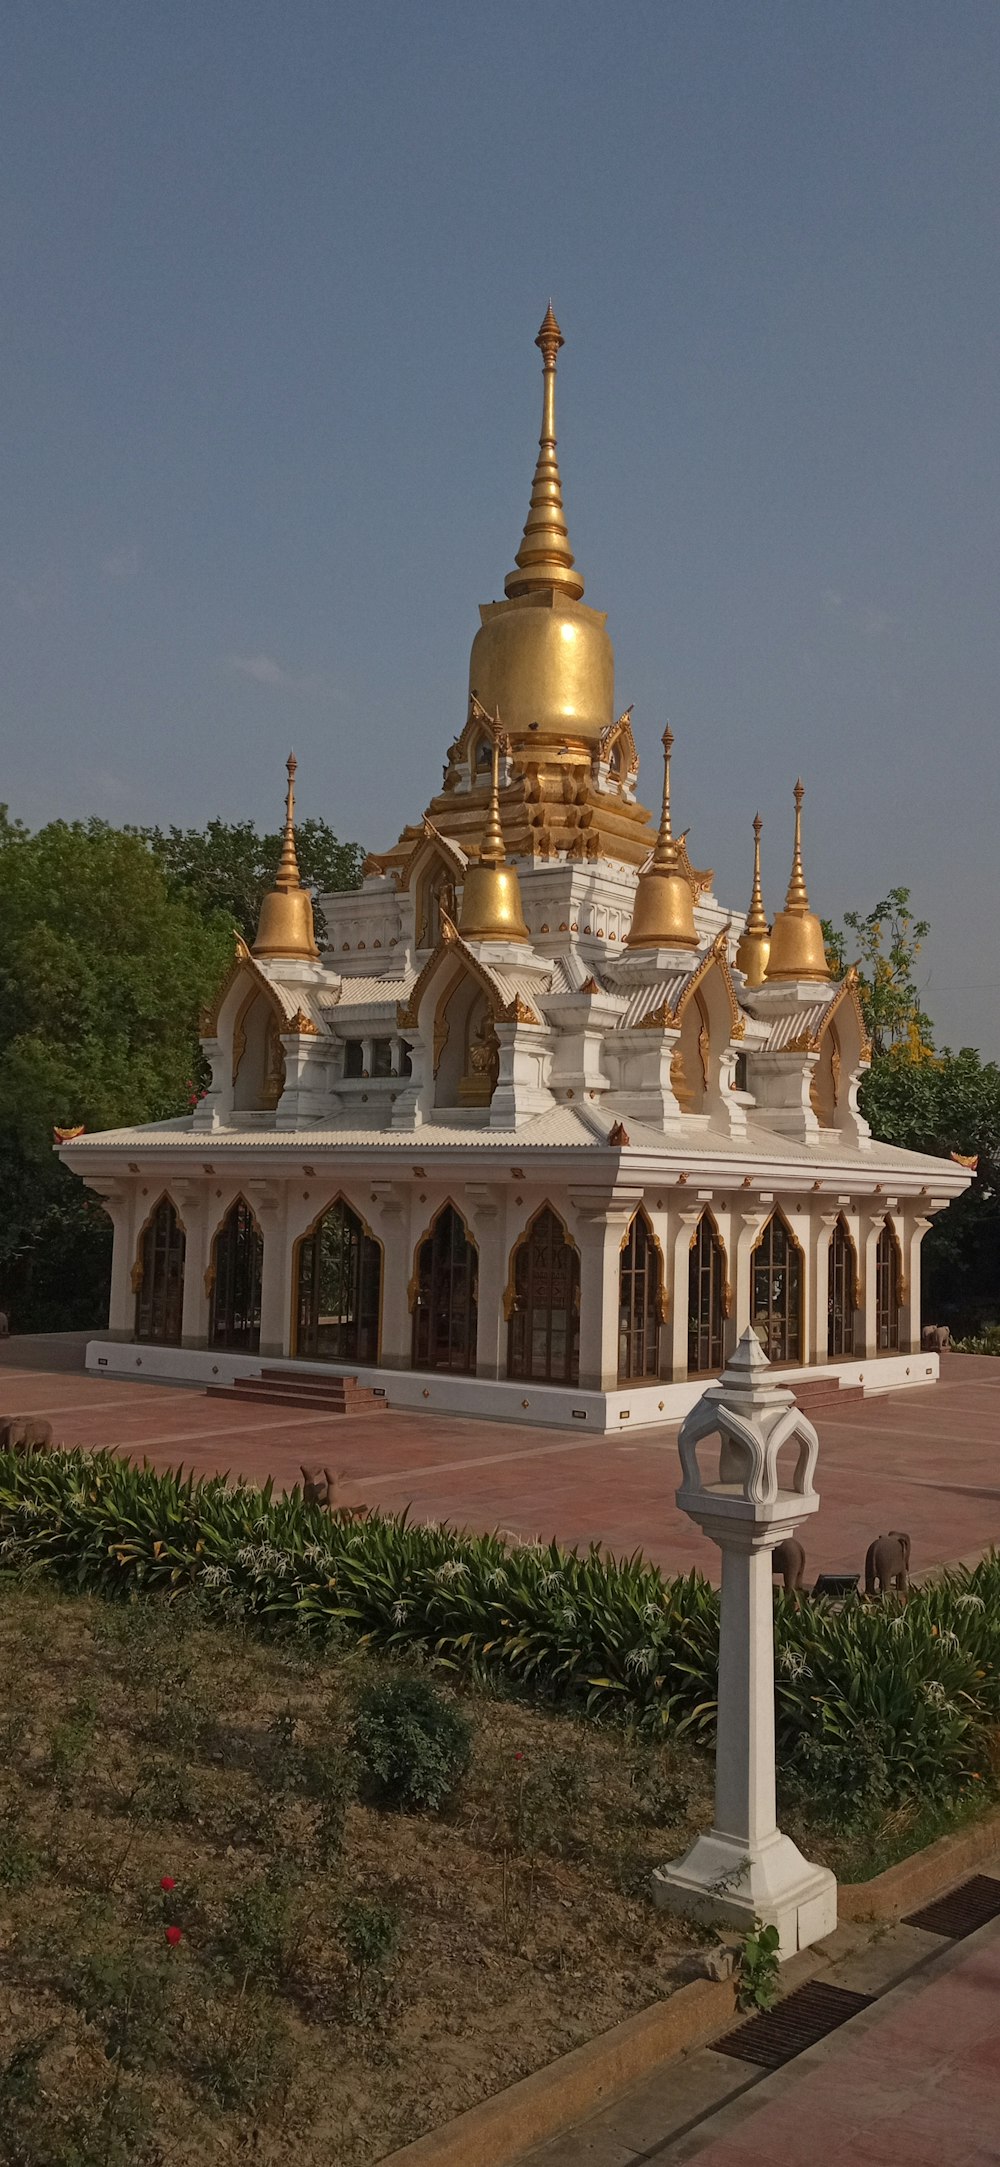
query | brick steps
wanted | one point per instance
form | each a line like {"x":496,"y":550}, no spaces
{"x":306,"y":1389}
{"x":820,"y":1392}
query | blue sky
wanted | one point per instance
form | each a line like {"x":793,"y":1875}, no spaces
{"x":271,"y":278}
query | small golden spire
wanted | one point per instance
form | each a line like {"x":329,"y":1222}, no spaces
{"x":797,"y":898}
{"x":545,"y":558}
{"x":286,"y":915}
{"x":491,"y":892}
{"x":755,"y":939}
{"x":663,"y":911}
{"x":798,"y":949}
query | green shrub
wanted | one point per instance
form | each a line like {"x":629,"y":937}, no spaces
{"x":606,"y":1635}
{"x":985,"y":1341}
{"x":413,"y":1747}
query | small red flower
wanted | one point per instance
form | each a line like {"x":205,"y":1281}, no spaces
{"x":174,"y":1935}
{"x":518,"y":1756}
{"x":167,"y":1883}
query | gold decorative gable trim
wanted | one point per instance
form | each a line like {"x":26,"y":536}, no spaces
{"x":666,"y":1018}
{"x":451,"y":944}
{"x":243,"y":963}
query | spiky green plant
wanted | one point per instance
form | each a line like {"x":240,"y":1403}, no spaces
{"x":609,"y":1635}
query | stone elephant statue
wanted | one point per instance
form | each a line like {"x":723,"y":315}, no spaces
{"x":887,"y":1564}
{"x":789,"y":1559}
{"x":25,"y":1433}
{"x":935,"y":1338}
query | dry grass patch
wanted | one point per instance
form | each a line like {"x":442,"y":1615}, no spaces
{"x":325,"y":1978}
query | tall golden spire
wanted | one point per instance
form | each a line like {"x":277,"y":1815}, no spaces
{"x":545,"y":558}
{"x":491,"y":892}
{"x":663,"y":912}
{"x":755,"y":939}
{"x":797,"y":946}
{"x":286,"y":916}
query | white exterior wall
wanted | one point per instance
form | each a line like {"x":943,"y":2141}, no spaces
{"x":398,"y":1206}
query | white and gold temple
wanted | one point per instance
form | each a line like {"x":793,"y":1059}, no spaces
{"x":542,"y":1126}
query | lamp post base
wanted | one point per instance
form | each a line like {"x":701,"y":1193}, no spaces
{"x":721,"y":1880}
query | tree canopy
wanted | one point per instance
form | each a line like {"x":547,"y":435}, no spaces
{"x":925,"y":1100}
{"x":228,"y":867}
{"x":113,"y":940}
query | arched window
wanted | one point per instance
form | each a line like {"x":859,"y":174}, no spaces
{"x":640,"y":1293}
{"x":339,"y":1282}
{"x":159,"y":1278}
{"x":446,"y":1295}
{"x":841,"y":1276}
{"x":887,"y":1294}
{"x":706,"y":1300}
{"x":543,"y":1335}
{"x":237,"y":1265}
{"x":776,"y":1297}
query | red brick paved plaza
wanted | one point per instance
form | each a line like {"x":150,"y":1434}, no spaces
{"x":926,"y":1459}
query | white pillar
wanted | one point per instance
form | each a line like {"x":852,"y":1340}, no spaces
{"x":191,"y":1204}
{"x":391,"y":1223}
{"x":819,"y":1329}
{"x":871,"y":1227}
{"x":601,"y":1221}
{"x":917,"y":1229}
{"x":684,"y":1232}
{"x":744,"y":1869}
{"x":118,"y":1200}
{"x":268,"y":1206}
{"x":485,"y":1217}
{"x":746,"y":1227}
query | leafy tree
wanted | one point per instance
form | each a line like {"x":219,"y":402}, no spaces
{"x":885,"y":945}
{"x":103,"y":969}
{"x":942,"y":1103}
{"x":928,"y":1101}
{"x":228,"y":867}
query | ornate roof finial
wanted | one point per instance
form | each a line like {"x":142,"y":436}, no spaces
{"x":663,"y":911}
{"x":491,"y":891}
{"x":797,"y":898}
{"x":286,"y":915}
{"x":288,"y":875}
{"x":665,"y":852}
{"x":545,"y":558}
{"x":755,"y":939}
{"x":798,"y":949}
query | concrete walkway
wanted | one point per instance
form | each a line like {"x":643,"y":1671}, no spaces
{"x":926,"y":1459}
{"x":913,"y":2080}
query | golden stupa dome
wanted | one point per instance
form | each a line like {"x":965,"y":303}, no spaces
{"x":798,"y":949}
{"x":286,"y":914}
{"x":491,"y":892}
{"x":755,"y":939}
{"x":663,"y":911}
{"x":542,"y":659}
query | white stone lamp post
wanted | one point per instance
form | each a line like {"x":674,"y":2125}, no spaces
{"x":744,"y":1868}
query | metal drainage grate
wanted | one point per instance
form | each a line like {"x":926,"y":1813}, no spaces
{"x":795,"y":2024}
{"x":954,"y":1916}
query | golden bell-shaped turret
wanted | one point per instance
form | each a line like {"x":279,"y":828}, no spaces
{"x":286,"y":913}
{"x":755,"y":939}
{"x":797,"y":946}
{"x":663,"y":911}
{"x":491,"y":892}
{"x":542,"y":657}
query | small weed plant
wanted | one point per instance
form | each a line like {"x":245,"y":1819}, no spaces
{"x":758,"y":1969}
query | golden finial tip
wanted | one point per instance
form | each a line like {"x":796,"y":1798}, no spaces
{"x":667,"y":740}
{"x":758,"y":825}
{"x":549,"y":333}
{"x":799,"y":791}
